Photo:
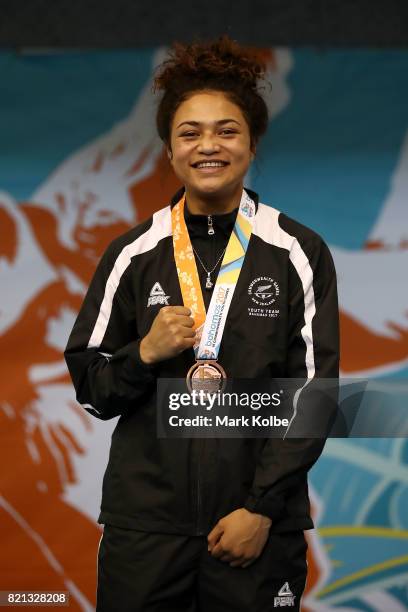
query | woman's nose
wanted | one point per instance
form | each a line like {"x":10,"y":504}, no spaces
{"x":208,"y":144}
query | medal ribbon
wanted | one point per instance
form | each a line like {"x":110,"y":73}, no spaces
{"x":210,"y":327}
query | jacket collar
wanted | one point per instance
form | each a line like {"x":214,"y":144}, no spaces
{"x":252,"y":194}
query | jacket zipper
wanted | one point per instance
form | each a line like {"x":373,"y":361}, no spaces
{"x":199,"y":529}
{"x":211,"y":229}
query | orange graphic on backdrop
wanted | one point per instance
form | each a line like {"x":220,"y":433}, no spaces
{"x":46,"y":543}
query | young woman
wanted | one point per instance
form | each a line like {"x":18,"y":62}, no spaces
{"x":205,"y":524}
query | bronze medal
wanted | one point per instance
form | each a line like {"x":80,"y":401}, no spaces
{"x":206,"y":374}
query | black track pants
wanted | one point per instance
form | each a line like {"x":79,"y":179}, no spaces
{"x":152,"y":572}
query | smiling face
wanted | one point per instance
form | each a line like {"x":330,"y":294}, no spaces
{"x":210,"y":145}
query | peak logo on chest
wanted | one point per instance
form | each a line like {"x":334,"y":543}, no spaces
{"x":157,"y":296}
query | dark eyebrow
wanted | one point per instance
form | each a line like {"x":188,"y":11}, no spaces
{"x":197,"y":123}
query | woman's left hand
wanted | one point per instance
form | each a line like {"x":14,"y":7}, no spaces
{"x":239,"y":537}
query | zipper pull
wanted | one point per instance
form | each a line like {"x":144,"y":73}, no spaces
{"x":211,"y":230}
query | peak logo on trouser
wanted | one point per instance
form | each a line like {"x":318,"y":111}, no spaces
{"x":157,"y":296}
{"x":285,"y":597}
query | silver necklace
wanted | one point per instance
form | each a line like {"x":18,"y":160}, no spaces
{"x":209,"y":284}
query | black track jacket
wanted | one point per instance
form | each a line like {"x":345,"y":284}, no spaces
{"x":186,"y":485}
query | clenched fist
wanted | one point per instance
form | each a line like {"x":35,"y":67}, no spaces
{"x":171,"y":333}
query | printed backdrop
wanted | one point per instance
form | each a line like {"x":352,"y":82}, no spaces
{"x":80,"y":163}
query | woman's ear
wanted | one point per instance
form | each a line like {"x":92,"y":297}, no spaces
{"x":169,"y":153}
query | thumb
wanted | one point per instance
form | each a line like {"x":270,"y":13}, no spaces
{"x":214,"y":535}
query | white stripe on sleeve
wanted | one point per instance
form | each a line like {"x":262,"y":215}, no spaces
{"x":267,"y":227}
{"x":160,"y":228}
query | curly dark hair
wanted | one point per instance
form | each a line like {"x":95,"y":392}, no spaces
{"x":219,"y":65}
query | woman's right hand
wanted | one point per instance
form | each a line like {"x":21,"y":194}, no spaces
{"x":171,"y":333}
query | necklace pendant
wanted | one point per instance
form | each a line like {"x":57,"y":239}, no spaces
{"x":208,"y":283}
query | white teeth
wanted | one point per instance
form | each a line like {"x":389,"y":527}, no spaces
{"x":210,"y":164}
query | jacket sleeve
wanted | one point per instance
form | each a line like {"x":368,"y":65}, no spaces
{"x":102,"y":353}
{"x":313,"y":352}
